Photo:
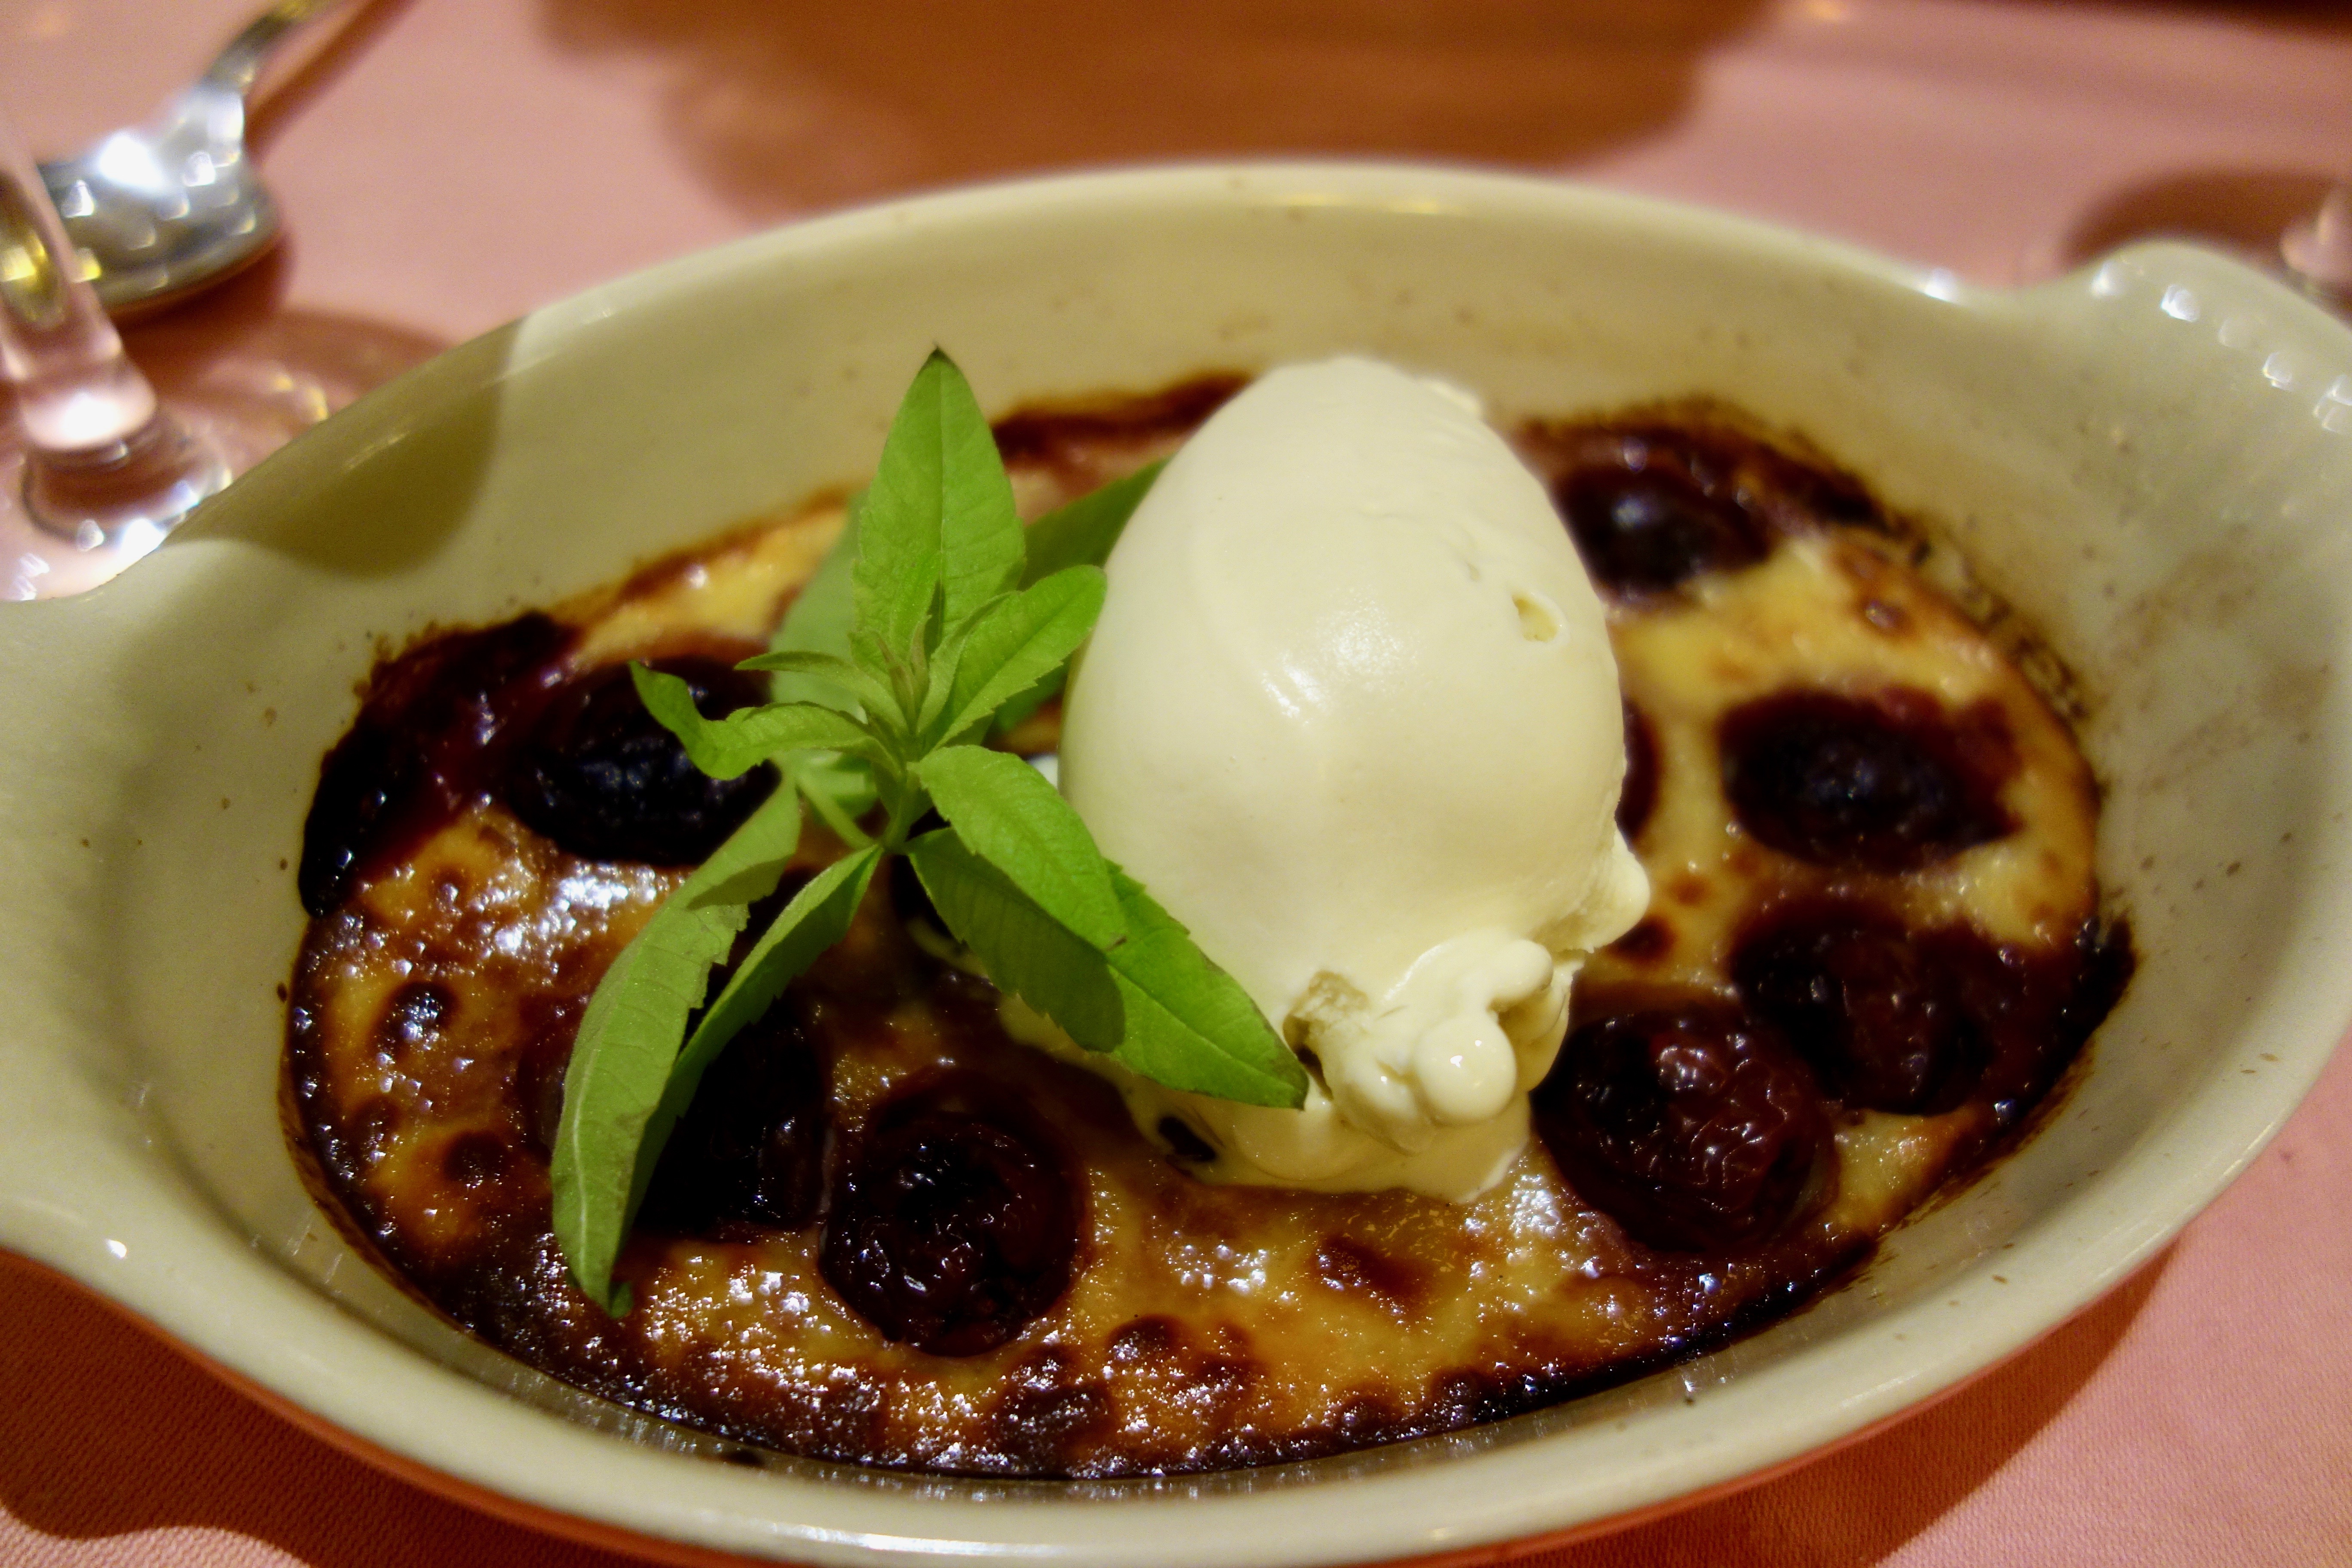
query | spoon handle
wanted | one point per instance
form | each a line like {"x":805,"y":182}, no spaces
{"x":240,"y":60}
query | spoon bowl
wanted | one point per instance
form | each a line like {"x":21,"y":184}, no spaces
{"x":158,"y":211}
{"x":166,"y":208}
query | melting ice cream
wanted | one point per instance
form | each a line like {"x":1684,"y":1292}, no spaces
{"x":1351,"y":713}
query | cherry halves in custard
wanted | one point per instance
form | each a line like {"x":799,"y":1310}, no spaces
{"x":598,"y":774}
{"x":1693,"y":1127}
{"x":750,"y":1147}
{"x":954,"y":1221}
{"x":1890,"y":781}
{"x":1873,"y":1009}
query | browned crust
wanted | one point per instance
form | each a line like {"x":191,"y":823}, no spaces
{"x":1128,"y":1373}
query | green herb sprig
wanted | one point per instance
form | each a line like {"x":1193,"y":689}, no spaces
{"x":937,"y":617}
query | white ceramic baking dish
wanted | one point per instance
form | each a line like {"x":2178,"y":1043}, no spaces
{"x":2150,"y":460}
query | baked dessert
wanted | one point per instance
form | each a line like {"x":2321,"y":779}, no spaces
{"x":1876,"y":943}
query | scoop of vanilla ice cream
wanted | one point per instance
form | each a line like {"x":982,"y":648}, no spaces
{"x":1350,"y":714}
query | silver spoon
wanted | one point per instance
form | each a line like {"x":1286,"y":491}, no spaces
{"x":162,"y":209}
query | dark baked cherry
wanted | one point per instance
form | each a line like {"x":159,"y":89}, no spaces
{"x":361,"y":784}
{"x":752,"y":1146}
{"x":1865,"y":1001}
{"x":431,"y":728}
{"x":1638,"y":796}
{"x":1693,"y":1127}
{"x":1887,"y":783}
{"x":598,"y":774}
{"x":1646,"y":531}
{"x":2034,"y":1006}
{"x":954,"y":1223}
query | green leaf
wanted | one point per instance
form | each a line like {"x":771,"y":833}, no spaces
{"x":1012,"y":713}
{"x":808,"y":661}
{"x":905,"y":672}
{"x":817,"y":916}
{"x":1189,"y":1024}
{"x":839,"y":789}
{"x":1005,"y":813}
{"x":942,"y":680}
{"x":937,"y":525}
{"x":1020,"y":642}
{"x":1027,"y":952}
{"x":1082,"y":532}
{"x":628,"y":1040}
{"x":1168,"y":1015}
{"x":726,"y":747}
{"x":819,"y":620}
{"x":840,"y":683}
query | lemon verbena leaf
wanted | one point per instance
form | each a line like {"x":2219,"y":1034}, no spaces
{"x":1019,"y":642}
{"x":1005,"y":813}
{"x":729,"y":747}
{"x":938,"y":530}
{"x":1081,"y":532}
{"x":817,"y":916}
{"x":1025,"y":950}
{"x":835,"y":682}
{"x":1189,"y":1024}
{"x":629,"y":1038}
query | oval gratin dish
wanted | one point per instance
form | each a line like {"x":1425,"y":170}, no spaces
{"x":2149,"y":460}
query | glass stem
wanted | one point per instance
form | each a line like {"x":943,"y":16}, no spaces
{"x":2319,"y":248}
{"x":100,"y":455}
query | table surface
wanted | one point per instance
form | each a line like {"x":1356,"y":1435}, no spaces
{"x":446,"y":165}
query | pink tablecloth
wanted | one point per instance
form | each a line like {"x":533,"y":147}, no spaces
{"x":455,"y":163}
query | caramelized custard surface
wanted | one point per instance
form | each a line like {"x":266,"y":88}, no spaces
{"x":1771,"y":637}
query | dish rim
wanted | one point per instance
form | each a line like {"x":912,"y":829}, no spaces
{"x":484,"y":1457}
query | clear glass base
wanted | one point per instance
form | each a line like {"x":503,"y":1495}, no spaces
{"x":236,"y":391}
{"x":66,"y":527}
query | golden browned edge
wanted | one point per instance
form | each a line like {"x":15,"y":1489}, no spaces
{"x":590,"y":603}
{"x":1930,"y":554}
{"x":610,"y":1537}
{"x":306,"y":1165}
{"x":1940,"y":564}
{"x":2043,"y":669}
